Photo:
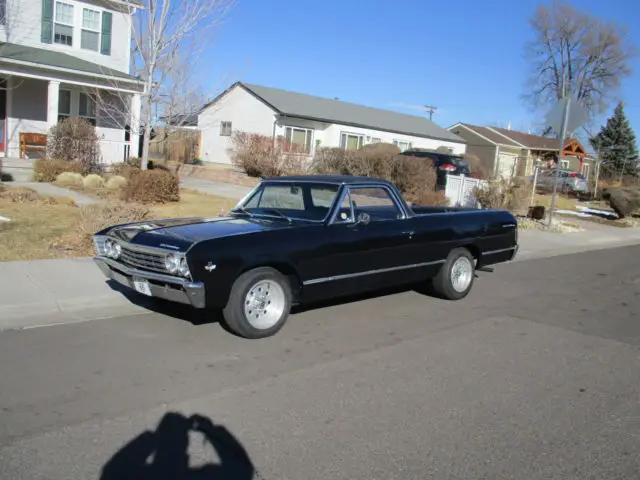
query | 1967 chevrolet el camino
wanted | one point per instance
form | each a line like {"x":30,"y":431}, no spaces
{"x":301,"y":239}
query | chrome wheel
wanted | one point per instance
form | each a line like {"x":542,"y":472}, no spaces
{"x":264,"y":304}
{"x":461,"y":274}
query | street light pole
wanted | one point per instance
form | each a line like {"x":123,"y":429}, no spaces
{"x":563,"y":133}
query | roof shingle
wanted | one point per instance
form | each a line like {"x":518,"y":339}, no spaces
{"x":335,"y":111}
{"x":50,"y":58}
{"x":491,"y":135}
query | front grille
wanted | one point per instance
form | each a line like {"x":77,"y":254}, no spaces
{"x":143,"y":260}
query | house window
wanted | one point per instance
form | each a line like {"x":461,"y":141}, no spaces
{"x":351,"y":141}
{"x":87,"y":108}
{"x":64,"y":104}
{"x":299,"y":136}
{"x":225,"y":129}
{"x":564,"y":164}
{"x":402,"y":145}
{"x":3,"y":12}
{"x":376,"y":140}
{"x":90,"y":35}
{"x":63,"y":28}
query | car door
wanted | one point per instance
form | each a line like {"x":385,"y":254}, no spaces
{"x":365,"y":245}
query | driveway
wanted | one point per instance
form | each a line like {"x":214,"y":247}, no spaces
{"x":215,"y":188}
{"x":533,"y":376}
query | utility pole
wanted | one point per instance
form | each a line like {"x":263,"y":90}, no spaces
{"x":430,"y":109}
{"x":563,"y":133}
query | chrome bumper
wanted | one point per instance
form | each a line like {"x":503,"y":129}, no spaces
{"x":167,"y":287}
{"x":515,"y":251}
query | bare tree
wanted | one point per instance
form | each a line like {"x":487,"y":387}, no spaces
{"x":166,"y":30}
{"x":576,"y":54}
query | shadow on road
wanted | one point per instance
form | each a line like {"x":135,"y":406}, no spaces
{"x":163,"y":454}
{"x":209,"y":316}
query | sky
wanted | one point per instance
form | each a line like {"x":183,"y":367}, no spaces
{"x":464,"y":57}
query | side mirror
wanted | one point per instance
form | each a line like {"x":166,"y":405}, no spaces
{"x":363,"y":219}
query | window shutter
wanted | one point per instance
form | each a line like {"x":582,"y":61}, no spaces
{"x":46,"y":33}
{"x":107,"y":20}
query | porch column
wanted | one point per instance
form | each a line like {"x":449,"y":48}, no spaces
{"x":135,"y":124}
{"x":53,"y":98}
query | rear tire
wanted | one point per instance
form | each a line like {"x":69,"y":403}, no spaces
{"x":259,"y":303}
{"x":455,"y":278}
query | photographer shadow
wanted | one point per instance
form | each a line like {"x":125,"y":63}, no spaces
{"x":163,"y":454}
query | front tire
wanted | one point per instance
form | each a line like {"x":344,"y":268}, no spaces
{"x":259,"y":303}
{"x":456,"y":276}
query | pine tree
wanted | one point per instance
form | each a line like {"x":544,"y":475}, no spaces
{"x":616,"y":144}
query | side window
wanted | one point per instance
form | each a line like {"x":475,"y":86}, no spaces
{"x":345,"y":215}
{"x":376,"y":201}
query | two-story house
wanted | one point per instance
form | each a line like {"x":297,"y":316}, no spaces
{"x":61,"y":58}
{"x":310,"y":122}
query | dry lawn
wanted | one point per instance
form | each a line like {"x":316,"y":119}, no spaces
{"x":562,"y":203}
{"x":44,"y":227}
{"x":35,"y":223}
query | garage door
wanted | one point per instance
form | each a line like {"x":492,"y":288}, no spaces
{"x":506,"y":164}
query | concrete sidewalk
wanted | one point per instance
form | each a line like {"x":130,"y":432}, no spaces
{"x":45,"y":292}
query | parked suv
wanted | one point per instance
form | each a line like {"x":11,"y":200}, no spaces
{"x":568,"y":181}
{"x":444,"y":163}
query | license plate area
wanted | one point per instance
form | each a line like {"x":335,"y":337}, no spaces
{"x":142,"y":286}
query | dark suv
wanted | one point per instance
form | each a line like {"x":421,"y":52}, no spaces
{"x":444,"y":163}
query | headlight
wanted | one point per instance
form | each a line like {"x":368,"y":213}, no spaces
{"x":184,"y":268}
{"x":112,"y":249}
{"x":172,"y":263}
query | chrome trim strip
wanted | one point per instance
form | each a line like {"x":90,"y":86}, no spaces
{"x":139,"y":248}
{"x":149,"y":275}
{"x":502,"y":250}
{"x":370,"y":272}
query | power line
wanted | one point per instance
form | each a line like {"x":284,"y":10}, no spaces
{"x":430,"y":109}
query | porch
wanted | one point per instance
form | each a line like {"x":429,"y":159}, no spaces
{"x":39,"y":88}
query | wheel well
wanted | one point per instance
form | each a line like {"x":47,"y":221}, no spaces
{"x":288,"y":271}
{"x":475,"y":251}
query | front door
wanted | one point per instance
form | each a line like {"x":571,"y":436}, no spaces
{"x":361,"y":255}
{"x":3,"y":115}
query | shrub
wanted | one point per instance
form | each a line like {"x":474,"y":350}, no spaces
{"x":623,"y":200}
{"x":258,"y":156}
{"x":117,"y":183}
{"x":47,"y":170}
{"x":93,"y":182}
{"x":125,"y":170}
{"x":75,"y":139}
{"x":94,"y":218}
{"x":505,"y":194}
{"x":153,"y":186}
{"x":69,"y":179}
{"x":6,"y":177}
{"x":477,"y":168}
{"x":330,"y":161}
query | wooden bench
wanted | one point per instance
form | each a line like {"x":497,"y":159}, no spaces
{"x":32,"y":142}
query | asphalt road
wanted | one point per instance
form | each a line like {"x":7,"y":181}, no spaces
{"x":534,"y":376}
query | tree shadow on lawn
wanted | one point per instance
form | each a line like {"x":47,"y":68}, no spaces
{"x":199,"y":317}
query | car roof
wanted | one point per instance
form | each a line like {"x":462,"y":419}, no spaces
{"x":333,"y":179}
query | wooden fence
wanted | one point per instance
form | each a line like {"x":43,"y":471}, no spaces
{"x":175,"y":145}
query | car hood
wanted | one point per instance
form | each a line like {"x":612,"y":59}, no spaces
{"x":181,"y":233}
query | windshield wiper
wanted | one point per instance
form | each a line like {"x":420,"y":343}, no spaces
{"x":278,"y":212}
{"x":241,"y":210}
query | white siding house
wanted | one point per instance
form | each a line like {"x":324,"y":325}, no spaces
{"x":310,"y":121}
{"x":61,"y":58}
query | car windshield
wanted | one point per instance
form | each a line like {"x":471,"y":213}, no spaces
{"x":290,"y":200}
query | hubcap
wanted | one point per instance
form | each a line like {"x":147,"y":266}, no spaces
{"x":461,"y":274}
{"x":264,"y":304}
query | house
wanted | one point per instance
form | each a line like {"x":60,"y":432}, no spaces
{"x":507,"y":153}
{"x":310,"y":122}
{"x":61,"y":58}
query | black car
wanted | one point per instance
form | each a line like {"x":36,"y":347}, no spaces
{"x":302,"y":239}
{"x":444,"y":163}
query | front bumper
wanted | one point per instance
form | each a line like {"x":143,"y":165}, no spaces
{"x":167,"y":287}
